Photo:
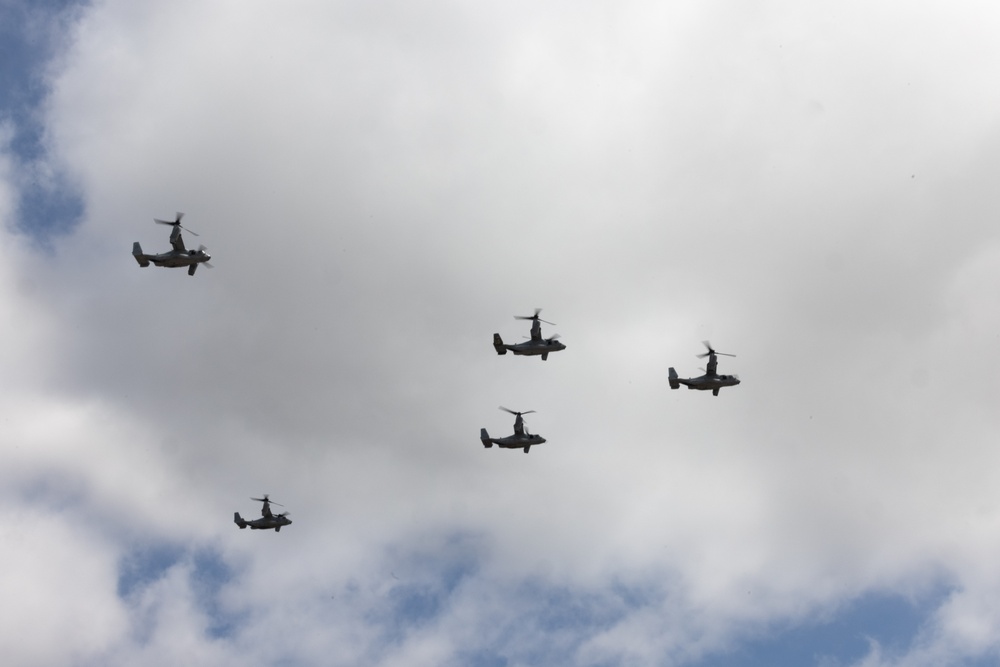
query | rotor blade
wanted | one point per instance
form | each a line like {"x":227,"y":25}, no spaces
{"x":201,"y":251}
{"x":176,"y":223}
{"x":552,"y":338}
{"x":533,"y":317}
{"x":711,"y":351}
{"x":207,"y":265}
{"x":515,"y":413}
{"x":265,"y":499}
{"x":283,"y":514}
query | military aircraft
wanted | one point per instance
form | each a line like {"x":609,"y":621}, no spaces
{"x":536,"y":345}
{"x":179,"y":256}
{"x":711,"y":379}
{"x":268,"y":520}
{"x":520,"y":439}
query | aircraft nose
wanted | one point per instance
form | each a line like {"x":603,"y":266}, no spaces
{"x":541,"y":440}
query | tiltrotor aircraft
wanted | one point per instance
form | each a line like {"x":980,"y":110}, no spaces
{"x":521,"y":438}
{"x":268,"y":520}
{"x":711,"y":379}
{"x":536,"y":345}
{"x":179,"y":256}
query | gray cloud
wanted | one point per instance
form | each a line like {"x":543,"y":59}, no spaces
{"x":381,"y":191}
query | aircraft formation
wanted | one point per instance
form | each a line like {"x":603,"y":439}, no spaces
{"x":534,"y":346}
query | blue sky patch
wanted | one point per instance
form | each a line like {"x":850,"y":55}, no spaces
{"x":484,"y":658}
{"x":144,"y":565}
{"x":563,"y":609}
{"x":30,"y":34}
{"x":147,"y":564}
{"x":210,"y":575}
{"x":419,"y":597}
{"x":890,"y":620}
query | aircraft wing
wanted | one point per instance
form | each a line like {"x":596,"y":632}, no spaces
{"x":176,"y":240}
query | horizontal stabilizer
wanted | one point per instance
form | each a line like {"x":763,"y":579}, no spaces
{"x":674,"y":384}
{"x":238,"y":520}
{"x":498,"y":344}
{"x":485,"y":437}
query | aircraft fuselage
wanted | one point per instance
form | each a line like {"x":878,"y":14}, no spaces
{"x":176,"y":259}
{"x":532,"y":348}
{"x":706,"y":382}
{"x":273,"y":522}
{"x":529,"y":348}
{"x":517,"y":441}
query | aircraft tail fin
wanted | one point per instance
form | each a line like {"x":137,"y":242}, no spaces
{"x":498,"y":344}
{"x":485,"y":437}
{"x":238,"y":520}
{"x":674,"y":384}
{"x":137,"y":253}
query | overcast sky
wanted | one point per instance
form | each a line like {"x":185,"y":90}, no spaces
{"x":811,"y":186}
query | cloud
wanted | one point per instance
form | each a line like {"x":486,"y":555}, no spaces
{"x":59,"y":585}
{"x":384,"y":188}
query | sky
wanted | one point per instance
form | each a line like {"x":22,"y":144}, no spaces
{"x":810,"y":186}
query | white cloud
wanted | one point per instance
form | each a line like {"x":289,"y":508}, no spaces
{"x":383,"y":188}
{"x":58,"y":584}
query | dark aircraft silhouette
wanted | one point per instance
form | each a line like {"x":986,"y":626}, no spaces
{"x":536,"y":345}
{"x":521,"y":438}
{"x":179,"y":256}
{"x":267,"y":520}
{"x":711,"y":379}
